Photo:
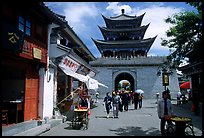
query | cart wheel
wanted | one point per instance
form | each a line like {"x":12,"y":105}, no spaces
{"x":170,"y":131}
{"x":189,"y":131}
{"x":87,"y":123}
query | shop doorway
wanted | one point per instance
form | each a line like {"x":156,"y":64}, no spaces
{"x":13,"y":93}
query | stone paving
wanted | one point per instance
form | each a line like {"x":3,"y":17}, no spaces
{"x":141,"y":122}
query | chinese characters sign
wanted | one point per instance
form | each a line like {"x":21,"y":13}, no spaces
{"x":69,"y":64}
{"x":37,"y":53}
{"x":11,"y":37}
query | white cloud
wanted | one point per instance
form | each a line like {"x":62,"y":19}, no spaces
{"x":78,"y":13}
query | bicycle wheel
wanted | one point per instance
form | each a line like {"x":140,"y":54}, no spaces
{"x":170,"y":130}
{"x":189,"y":131}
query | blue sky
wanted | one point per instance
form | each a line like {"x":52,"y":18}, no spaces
{"x":85,"y":17}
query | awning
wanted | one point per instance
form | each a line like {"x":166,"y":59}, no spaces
{"x":185,"y":85}
{"x":78,"y":76}
{"x":93,"y":84}
{"x":101,"y":84}
{"x":90,"y":82}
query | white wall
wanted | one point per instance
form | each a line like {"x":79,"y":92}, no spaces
{"x":46,"y":90}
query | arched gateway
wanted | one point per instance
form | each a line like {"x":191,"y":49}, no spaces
{"x":124,"y":76}
{"x":124,"y":57}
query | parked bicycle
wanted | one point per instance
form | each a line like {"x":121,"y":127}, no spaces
{"x":180,"y":126}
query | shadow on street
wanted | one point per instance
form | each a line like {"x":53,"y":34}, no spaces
{"x":136,"y":131}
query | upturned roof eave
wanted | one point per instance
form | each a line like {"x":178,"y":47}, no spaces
{"x":97,"y":45}
{"x":125,"y":29}
{"x":131,"y":17}
{"x":125,"y":41}
{"x":107,"y":20}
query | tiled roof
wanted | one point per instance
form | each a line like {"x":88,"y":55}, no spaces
{"x":61,"y":20}
{"x":125,"y":17}
{"x":124,"y":29}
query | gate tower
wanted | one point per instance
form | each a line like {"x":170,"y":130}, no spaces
{"x":124,"y":56}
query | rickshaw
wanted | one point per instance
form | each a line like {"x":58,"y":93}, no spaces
{"x":80,"y":118}
{"x":181,"y":126}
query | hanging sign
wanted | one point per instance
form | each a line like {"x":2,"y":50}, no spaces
{"x":11,"y":37}
{"x":165,"y":78}
{"x":37,"y":53}
{"x":69,"y":64}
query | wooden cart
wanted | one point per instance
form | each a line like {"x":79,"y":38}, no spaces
{"x":80,"y":118}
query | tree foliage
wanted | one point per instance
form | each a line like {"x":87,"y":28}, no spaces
{"x":185,"y":34}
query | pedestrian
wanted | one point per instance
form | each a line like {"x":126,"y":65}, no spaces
{"x":140,"y":100}
{"x":164,"y":110}
{"x":108,"y":102}
{"x":83,"y":102}
{"x":179,"y":98}
{"x":116,"y":100}
{"x":135,"y":100}
{"x":157,"y":95}
{"x":126,"y":99}
{"x":121,"y":102}
{"x":97,"y":96}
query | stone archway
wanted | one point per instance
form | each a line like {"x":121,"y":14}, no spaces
{"x":124,"y":76}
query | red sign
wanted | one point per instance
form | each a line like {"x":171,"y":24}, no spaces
{"x":69,"y":64}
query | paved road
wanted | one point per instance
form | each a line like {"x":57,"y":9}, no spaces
{"x":141,"y":122}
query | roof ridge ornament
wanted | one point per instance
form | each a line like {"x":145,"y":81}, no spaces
{"x":123,"y":11}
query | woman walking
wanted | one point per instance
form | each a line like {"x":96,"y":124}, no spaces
{"x":108,"y":101}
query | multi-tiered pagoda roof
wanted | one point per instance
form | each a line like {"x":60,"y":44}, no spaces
{"x":124,"y":37}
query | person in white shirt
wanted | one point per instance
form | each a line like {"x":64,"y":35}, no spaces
{"x":164,"y":109}
{"x":179,"y":98}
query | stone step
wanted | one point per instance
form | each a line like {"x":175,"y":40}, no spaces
{"x":35,"y":131}
{"x":31,"y":128}
{"x":20,"y":127}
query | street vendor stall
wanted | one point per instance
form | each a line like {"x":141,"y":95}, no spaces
{"x":183,"y":126}
{"x":80,"y":118}
{"x":82,"y":111}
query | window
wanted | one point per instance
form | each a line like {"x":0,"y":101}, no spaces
{"x":24,"y":25}
{"x":64,"y":42}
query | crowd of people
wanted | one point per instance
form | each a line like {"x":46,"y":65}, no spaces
{"x":119,"y":101}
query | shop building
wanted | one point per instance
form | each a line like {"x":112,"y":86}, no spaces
{"x":65,"y":49}
{"x":24,"y":51}
{"x":193,"y":71}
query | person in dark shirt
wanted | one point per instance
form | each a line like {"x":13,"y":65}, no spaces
{"x":108,"y":101}
{"x":126,"y":99}
{"x":136,"y":99}
{"x":83,"y":102}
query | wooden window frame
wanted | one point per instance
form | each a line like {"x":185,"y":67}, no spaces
{"x":26,"y":25}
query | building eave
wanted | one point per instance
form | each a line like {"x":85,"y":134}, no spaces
{"x":125,"y":42}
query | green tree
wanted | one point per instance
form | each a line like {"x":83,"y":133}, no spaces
{"x":185,"y":34}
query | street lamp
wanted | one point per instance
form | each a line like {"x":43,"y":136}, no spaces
{"x":165,"y":70}
{"x":165,"y":78}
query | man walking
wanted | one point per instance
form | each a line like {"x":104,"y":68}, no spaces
{"x":116,"y":100}
{"x":164,"y":110}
